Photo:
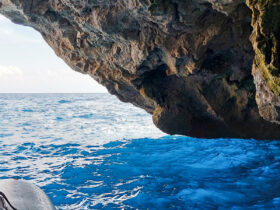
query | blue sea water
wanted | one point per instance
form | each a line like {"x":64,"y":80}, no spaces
{"x":90,"y":151}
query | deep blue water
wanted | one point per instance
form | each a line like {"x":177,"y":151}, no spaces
{"x":90,"y":151}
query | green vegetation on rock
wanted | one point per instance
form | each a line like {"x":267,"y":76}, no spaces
{"x":266,"y":25}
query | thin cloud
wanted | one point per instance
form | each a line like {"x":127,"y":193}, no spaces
{"x":29,"y":67}
{"x":14,"y":37}
{"x":3,"y":19}
{"x":7,"y":71}
{"x":16,"y":34}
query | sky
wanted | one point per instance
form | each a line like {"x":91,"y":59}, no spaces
{"x":29,"y":65}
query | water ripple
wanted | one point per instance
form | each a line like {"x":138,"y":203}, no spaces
{"x":96,"y":162}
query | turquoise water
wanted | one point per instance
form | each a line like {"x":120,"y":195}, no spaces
{"x":90,"y":151}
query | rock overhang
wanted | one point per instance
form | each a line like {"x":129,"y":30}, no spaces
{"x":189,"y":63}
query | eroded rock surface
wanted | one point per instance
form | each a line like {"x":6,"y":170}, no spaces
{"x":189,"y":63}
{"x":266,"y":42}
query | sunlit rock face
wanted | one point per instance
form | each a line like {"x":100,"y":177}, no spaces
{"x":189,"y":63}
{"x":266,"y":42}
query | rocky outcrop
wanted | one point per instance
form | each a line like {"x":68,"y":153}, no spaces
{"x":189,"y":63}
{"x":266,"y":42}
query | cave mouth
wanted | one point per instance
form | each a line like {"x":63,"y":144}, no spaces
{"x":186,"y":62}
{"x":29,"y":65}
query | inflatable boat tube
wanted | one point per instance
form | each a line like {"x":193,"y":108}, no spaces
{"x":17,"y":194}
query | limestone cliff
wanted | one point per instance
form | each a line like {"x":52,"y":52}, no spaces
{"x":189,"y":63}
{"x":266,"y":42}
